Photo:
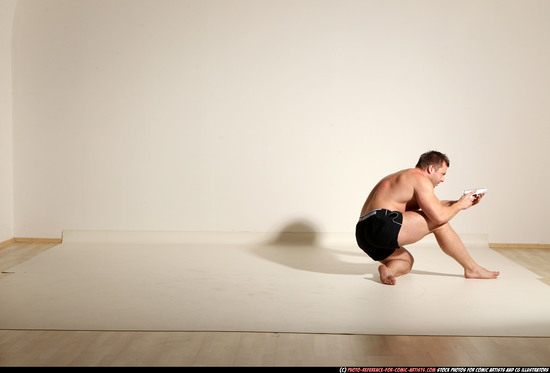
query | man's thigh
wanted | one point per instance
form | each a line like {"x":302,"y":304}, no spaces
{"x":415,"y":226}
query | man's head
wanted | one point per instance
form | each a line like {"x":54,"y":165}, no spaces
{"x":435,"y":164}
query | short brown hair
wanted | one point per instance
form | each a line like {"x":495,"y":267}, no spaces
{"x":432,"y":157}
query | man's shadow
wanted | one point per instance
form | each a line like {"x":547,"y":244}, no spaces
{"x":297,"y":246}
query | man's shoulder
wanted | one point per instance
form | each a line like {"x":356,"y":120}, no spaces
{"x":415,"y":177}
{"x":412,"y":174}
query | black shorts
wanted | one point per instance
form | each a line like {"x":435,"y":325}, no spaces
{"x":376,"y":233}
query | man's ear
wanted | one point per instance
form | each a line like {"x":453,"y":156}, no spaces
{"x":431,"y":169}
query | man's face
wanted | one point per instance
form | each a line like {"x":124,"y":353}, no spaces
{"x":438,"y":174}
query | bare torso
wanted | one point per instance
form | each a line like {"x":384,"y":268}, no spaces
{"x":395,"y":192}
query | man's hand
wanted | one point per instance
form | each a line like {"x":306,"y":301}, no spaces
{"x":477,"y":198}
{"x":470,"y":199}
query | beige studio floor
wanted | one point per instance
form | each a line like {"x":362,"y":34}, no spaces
{"x":169,"y":281}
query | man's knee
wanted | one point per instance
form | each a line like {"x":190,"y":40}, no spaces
{"x":400,"y":254}
{"x":442,"y":227}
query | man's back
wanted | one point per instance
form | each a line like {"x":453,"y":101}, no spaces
{"x":395,"y":192}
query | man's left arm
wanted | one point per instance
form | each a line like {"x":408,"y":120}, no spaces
{"x":477,"y":198}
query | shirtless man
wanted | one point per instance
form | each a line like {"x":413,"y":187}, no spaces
{"x":402,"y":209}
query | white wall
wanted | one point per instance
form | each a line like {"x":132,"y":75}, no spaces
{"x":7,"y":8}
{"x":249,"y":115}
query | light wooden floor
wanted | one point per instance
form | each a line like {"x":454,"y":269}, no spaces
{"x":112,"y":348}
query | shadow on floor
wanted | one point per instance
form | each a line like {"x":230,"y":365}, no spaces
{"x":296,"y":246}
{"x":428,"y":273}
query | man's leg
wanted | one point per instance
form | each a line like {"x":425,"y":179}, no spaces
{"x":416,"y":226}
{"x":452,"y":245}
{"x":400,"y":262}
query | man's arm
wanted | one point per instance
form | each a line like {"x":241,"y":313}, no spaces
{"x":440,"y":212}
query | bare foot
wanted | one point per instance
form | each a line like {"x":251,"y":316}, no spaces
{"x":386,"y":276}
{"x":480,"y":273}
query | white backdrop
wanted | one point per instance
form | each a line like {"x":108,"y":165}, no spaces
{"x":253,"y":115}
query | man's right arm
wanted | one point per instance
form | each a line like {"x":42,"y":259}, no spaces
{"x":436,"y":210}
